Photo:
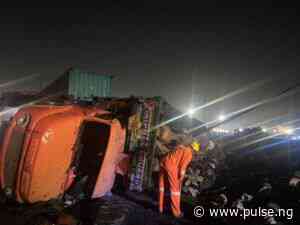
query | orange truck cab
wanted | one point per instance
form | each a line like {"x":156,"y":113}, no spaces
{"x":45,"y":148}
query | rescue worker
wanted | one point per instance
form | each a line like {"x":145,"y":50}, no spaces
{"x":172,"y":170}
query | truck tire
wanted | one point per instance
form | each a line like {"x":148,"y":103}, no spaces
{"x":115,"y":211}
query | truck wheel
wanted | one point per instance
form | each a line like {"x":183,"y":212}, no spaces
{"x":115,"y":211}
{"x":121,"y":211}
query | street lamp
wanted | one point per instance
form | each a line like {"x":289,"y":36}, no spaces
{"x":221,"y":118}
{"x":191,"y":112}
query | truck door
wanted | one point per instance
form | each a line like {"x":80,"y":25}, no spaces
{"x":99,"y":149}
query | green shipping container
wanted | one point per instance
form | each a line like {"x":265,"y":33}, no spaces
{"x":85,"y":85}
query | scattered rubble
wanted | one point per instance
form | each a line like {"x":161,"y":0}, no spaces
{"x":266,"y":187}
{"x":294,"y":181}
{"x":220,"y":201}
{"x":203,"y":171}
{"x":240,"y":202}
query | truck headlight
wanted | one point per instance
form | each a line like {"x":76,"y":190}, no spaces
{"x":23,"y":120}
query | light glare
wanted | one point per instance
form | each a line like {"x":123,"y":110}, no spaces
{"x":191,"y":111}
{"x":289,"y":131}
{"x":221,"y":117}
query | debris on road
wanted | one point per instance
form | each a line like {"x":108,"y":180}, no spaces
{"x":295,"y":180}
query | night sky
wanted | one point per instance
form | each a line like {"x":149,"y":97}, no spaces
{"x":190,"y":54}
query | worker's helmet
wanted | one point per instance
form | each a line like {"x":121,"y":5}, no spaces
{"x":196,"y":146}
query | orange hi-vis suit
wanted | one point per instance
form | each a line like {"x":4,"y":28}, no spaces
{"x":172,"y":170}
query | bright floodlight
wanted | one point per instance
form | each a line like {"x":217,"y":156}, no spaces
{"x":289,"y":131}
{"x":264,"y":130}
{"x":241,"y":130}
{"x":221,"y":117}
{"x":191,"y":111}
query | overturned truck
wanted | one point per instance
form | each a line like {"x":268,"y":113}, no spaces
{"x":68,"y":151}
{"x":46,"y":147}
{"x":61,"y":152}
